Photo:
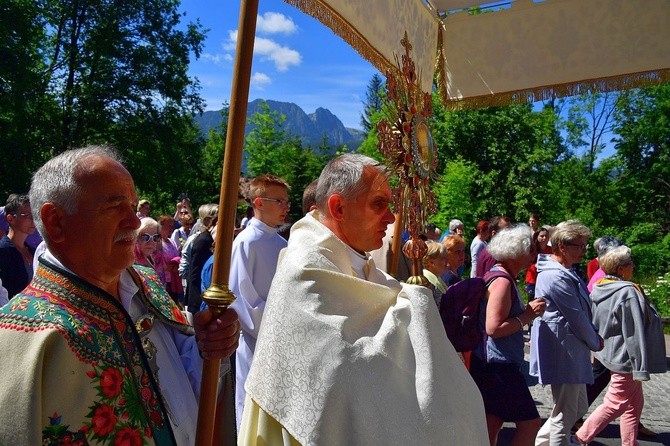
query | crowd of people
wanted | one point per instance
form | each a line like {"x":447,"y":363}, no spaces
{"x":581,"y":337}
{"x":104,"y":315}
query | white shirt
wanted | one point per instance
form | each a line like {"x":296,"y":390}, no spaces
{"x":252,"y":268}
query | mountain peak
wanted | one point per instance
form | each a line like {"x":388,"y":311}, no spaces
{"x":311,"y":128}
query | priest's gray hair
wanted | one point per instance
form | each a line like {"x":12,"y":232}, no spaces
{"x":343,"y":176}
{"x":55,"y":182}
{"x":511,"y":243}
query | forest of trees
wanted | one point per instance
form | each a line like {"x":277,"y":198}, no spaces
{"x":91,"y":71}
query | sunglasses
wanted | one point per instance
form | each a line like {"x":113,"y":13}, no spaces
{"x":147,"y":237}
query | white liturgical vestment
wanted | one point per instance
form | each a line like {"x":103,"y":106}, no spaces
{"x":348,"y":360}
{"x":252,"y":267}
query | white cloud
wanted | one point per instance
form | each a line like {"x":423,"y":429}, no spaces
{"x":282,"y":56}
{"x":216,"y":59}
{"x":232,"y":41}
{"x":259,"y":80}
{"x":274,"y":22}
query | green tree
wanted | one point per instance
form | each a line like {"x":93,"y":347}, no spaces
{"x":456,"y":194}
{"x":373,"y":102}
{"x":270,"y":149}
{"x":94,"y":71}
{"x":513,"y":148}
{"x":117,"y":62}
{"x":369,"y":145}
{"x":589,"y":122}
{"x":643,"y":125}
{"x":27,"y":112}
{"x":212,"y":159}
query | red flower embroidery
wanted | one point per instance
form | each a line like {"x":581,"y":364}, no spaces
{"x":146,"y":393}
{"x":178,"y":315}
{"x":128,"y":437}
{"x":91,"y":374}
{"x":156,"y":418}
{"x":110,"y":382}
{"x":104,"y":420}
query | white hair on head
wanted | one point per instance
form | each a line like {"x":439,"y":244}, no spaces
{"x":343,"y":175}
{"x":56,"y":181}
{"x":454,"y":224}
{"x":146,"y":223}
{"x":568,"y":231}
{"x":614,"y":258}
{"x":511,"y":242}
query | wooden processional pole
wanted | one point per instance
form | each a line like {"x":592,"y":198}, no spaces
{"x":218,"y":296}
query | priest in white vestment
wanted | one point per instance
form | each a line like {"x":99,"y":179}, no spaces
{"x":347,"y":355}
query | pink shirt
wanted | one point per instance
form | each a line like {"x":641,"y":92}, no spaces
{"x":596,"y":277}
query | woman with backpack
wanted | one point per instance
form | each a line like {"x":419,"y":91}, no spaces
{"x":496,"y":366}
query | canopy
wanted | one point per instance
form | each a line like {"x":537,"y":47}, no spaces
{"x":512,"y":51}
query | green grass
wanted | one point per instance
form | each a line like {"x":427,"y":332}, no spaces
{"x":657,"y":289}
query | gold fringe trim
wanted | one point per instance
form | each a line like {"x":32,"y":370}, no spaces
{"x":613,"y":83}
{"x":440,"y":64}
{"x":339,"y":25}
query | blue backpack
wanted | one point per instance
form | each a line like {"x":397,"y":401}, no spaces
{"x":463,"y":308}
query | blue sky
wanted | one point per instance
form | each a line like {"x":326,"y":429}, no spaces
{"x":296,"y":59}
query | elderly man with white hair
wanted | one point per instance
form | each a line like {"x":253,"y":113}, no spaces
{"x":94,"y":350}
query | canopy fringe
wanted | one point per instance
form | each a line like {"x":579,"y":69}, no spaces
{"x":614,"y":83}
{"x":440,"y":63}
{"x":339,"y":25}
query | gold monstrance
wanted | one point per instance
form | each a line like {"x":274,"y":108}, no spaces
{"x":406,"y":142}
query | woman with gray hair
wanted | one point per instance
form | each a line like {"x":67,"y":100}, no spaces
{"x":601,"y":245}
{"x":496,"y":368}
{"x":563,"y":338}
{"x":200,"y":251}
{"x":434,"y":264}
{"x":634,"y":346}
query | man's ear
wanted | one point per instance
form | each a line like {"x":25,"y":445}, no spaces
{"x":53,"y":221}
{"x":336,"y":207}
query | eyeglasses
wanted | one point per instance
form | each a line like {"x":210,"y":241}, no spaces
{"x":21,"y":214}
{"x":578,"y":245}
{"x":184,"y":212}
{"x":150,"y":237}
{"x":280,"y":201}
